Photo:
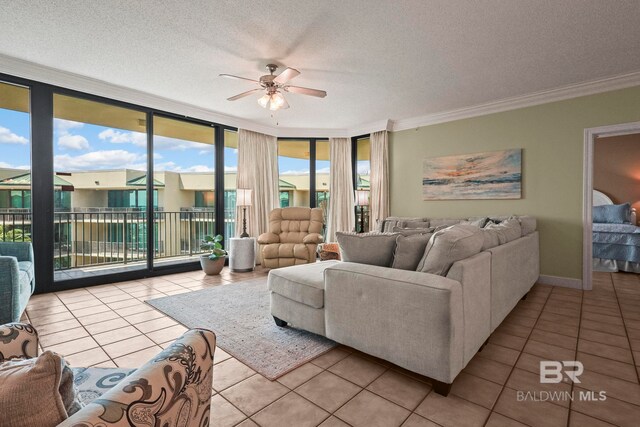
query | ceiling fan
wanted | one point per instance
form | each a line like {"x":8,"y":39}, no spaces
{"x":274,"y":86}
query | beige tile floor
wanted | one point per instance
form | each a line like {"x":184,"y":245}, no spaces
{"x":111,"y":325}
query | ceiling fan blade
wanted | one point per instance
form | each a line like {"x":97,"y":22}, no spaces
{"x":306,"y":91}
{"x":285,"y":105}
{"x":229,"y":76}
{"x":243,"y":94}
{"x":286,"y":75}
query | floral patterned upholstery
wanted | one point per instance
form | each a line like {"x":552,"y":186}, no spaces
{"x":171,"y":390}
{"x":18,"y":340}
{"x":94,"y":382}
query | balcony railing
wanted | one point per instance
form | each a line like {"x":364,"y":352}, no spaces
{"x":101,"y":236}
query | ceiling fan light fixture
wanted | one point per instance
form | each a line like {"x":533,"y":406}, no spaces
{"x":264,"y":100}
{"x":277,"y":101}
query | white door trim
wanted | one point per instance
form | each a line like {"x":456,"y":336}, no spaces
{"x":590,"y":136}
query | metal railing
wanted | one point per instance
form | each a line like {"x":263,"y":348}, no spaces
{"x":101,"y":236}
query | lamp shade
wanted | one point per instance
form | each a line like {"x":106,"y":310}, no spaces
{"x":362,"y":198}
{"x":243,"y":197}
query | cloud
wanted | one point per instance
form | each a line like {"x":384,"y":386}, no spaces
{"x":295,"y":172}
{"x":64,"y":125}
{"x":173,"y":167}
{"x":364,"y":168}
{"x":230,"y":169}
{"x":73,"y":142}
{"x":159,"y":142}
{"x":106,"y":159}
{"x":113,"y":136}
{"x":323,"y":170}
{"x":8,"y":137}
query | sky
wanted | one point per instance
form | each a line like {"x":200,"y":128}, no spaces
{"x":82,"y":146}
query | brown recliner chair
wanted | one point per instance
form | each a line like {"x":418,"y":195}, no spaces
{"x":294,"y":235}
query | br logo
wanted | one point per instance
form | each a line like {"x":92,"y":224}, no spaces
{"x":553,"y":371}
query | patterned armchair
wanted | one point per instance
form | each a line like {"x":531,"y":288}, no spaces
{"x":171,"y":390}
{"x":294,"y":235}
{"x":16,"y":279}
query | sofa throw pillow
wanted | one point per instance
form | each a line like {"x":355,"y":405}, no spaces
{"x":47,"y":374}
{"x":409,"y":251}
{"x":478,"y":222}
{"x":447,"y":222}
{"x":490,"y":238}
{"x":507,"y":230}
{"x":412,"y":231}
{"x":413,"y":224}
{"x":367,"y":248}
{"x":448,"y":246}
{"x":612,"y":214}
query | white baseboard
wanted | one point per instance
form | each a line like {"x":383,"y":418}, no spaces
{"x":565,"y":282}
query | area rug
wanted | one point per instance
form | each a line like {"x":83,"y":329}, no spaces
{"x":239,"y":315}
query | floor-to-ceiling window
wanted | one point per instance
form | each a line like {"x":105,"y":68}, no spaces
{"x":100,"y":161}
{"x":184,"y":177}
{"x":362,"y":176}
{"x":294,"y":171}
{"x":230,"y":182}
{"x":15,"y":164}
{"x":323,"y":177}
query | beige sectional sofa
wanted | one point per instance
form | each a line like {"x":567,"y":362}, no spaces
{"x":432,"y":324}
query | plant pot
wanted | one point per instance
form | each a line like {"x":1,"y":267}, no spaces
{"x":211,"y":267}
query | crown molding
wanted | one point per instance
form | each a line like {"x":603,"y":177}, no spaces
{"x":537,"y":98}
{"x":371,"y":127}
{"x":42,"y":73}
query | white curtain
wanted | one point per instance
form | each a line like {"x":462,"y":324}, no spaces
{"x":257,"y":171}
{"x":341,"y":210}
{"x":379,"y":190}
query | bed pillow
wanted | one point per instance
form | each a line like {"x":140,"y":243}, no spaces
{"x":367,"y":248}
{"x":409,"y":251}
{"x":49,"y":376}
{"x":612,"y":214}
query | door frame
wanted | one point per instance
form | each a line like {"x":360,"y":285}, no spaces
{"x":590,"y":136}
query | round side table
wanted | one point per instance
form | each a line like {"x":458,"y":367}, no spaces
{"x":242,"y":254}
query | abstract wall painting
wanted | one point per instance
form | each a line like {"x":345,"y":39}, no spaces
{"x":490,"y":175}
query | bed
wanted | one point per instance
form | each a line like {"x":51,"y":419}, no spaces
{"x":616,"y":245}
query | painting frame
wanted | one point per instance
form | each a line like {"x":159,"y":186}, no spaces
{"x":487,"y":175}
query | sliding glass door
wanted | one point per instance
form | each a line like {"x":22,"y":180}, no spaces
{"x":100,"y":159}
{"x":15,"y":164}
{"x":184,"y":210}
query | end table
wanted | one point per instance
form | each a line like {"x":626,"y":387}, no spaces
{"x":242,"y":254}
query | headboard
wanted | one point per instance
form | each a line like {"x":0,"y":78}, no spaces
{"x":599,"y":199}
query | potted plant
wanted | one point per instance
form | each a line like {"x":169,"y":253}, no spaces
{"x":212,"y":262}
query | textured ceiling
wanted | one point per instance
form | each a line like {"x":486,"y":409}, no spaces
{"x":377,"y":60}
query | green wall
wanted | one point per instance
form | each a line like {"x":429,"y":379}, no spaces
{"x":551,"y":136}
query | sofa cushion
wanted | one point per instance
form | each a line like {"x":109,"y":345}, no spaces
{"x":490,"y":238}
{"x":301,"y":283}
{"x":413,"y":231}
{"x":507,"y":230}
{"x":409,"y":251}
{"x":447,"y":222}
{"x":447,"y":246}
{"x":367,"y":248}
{"x":414,"y":224}
{"x":50,"y":377}
{"x":478,"y":222}
{"x":27,"y":267}
{"x":528,"y":224}
{"x":286,"y":250}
